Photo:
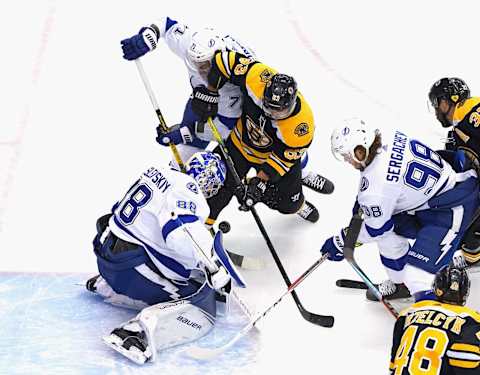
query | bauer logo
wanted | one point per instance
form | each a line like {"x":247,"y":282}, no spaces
{"x":188,"y":322}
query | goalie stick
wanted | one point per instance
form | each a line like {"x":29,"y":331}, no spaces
{"x":321,"y":320}
{"x":356,"y":225}
{"x":208,"y":353}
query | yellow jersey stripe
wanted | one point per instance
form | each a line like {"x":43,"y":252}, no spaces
{"x":275,"y":166}
{"x":471,"y":258}
{"x":466,"y":348}
{"x":463,"y":364}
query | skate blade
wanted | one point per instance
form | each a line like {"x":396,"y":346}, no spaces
{"x":133,"y":354}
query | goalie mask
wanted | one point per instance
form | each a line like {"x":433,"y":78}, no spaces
{"x":347,"y":138}
{"x":202,"y":47}
{"x":208,"y":170}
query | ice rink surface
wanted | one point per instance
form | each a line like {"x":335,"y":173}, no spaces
{"x":77,"y":128}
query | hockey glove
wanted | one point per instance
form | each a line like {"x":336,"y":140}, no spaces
{"x":220,"y":279}
{"x":334,"y":247}
{"x":138,"y":45}
{"x":252,"y":193}
{"x":204,"y":103}
{"x":177,"y":135}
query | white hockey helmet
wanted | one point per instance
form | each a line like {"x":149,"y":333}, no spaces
{"x":203,"y":46}
{"x":353,"y":133}
{"x":208,"y":170}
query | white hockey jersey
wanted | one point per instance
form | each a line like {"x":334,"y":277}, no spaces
{"x":178,"y":38}
{"x":404,"y":176}
{"x":153,"y":214}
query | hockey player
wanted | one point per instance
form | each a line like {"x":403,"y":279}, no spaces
{"x":274,"y":132}
{"x":439,"y":337}
{"x":155,"y":253}
{"x":406,"y":191}
{"x":196,"y":49}
{"x":450,"y":98}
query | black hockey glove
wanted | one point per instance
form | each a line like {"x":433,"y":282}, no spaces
{"x":204,"y":102}
{"x":251,"y":194}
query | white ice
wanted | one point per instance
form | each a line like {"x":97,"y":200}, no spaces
{"x":77,"y":126}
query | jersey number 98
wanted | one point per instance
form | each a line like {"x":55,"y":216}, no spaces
{"x":423,"y":172}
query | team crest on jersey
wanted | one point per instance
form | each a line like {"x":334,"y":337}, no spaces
{"x":301,"y":129}
{"x":266,"y":76}
{"x":256,"y":134}
{"x":192,"y":187}
{"x":364,"y":184}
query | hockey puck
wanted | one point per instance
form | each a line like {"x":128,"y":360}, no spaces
{"x":224,"y":227}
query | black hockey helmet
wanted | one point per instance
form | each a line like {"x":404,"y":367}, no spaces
{"x":452,"y":285}
{"x":452,"y":89}
{"x":280,"y":96}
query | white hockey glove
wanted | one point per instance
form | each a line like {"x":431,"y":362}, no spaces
{"x":219,"y":279}
{"x":458,"y":259}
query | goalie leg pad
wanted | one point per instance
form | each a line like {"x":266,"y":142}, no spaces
{"x":164,"y":325}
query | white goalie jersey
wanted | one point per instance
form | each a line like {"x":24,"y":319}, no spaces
{"x":154,"y":213}
{"x":178,"y":37}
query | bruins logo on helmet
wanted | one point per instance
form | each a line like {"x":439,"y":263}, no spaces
{"x":301,"y":129}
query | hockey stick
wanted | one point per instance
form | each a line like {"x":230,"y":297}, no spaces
{"x":208,"y":353}
{"x":239,"y":260}
{"x":161,"y":120}
{"x":355,"y":226}
{"x":321,"y":320}
{"x":351,"y":284}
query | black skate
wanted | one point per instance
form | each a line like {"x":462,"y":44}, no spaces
{"x":318,"y":183}
{"x":309,"y":212}
{"x":390,"y":291}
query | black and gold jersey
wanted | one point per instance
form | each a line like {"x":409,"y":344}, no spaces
{"x":431,"y":337}
{"x":466,"y":130}
{"x":276,"y":145}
